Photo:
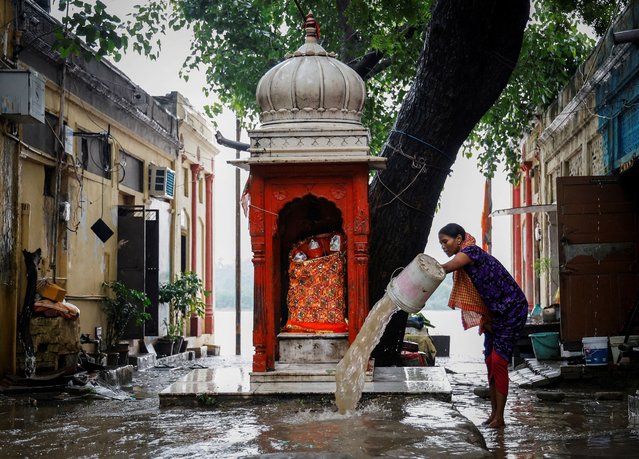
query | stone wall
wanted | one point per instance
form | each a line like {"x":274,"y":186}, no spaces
{"x":57,"y":343}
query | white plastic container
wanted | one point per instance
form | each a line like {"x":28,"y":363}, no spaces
{"x":595,"y":350}
{"x":416,"y":283}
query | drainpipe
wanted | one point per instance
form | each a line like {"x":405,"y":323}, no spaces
{"x":58,"y":177}
{"x":529,"y":279}
{"x":626,"y":36}
{"x":196,"y":326}
{"x":208,"y":268}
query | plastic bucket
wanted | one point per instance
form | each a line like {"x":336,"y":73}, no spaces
{"x":545,"y":345}
{"x":595,"y":350}
{"x":416,"y":283}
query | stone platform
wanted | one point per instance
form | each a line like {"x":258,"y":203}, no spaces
{"x":205,"y":386}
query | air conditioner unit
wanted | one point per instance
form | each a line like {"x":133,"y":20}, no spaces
{"x":161,"y":182}
{"x":22,"y":96}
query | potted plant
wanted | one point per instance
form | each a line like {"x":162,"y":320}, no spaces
{"x":185,"y":296}
{"x":121,"y":307}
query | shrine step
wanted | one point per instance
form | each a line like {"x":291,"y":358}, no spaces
{"x":295,"y":372}
{"x":312,"y":347}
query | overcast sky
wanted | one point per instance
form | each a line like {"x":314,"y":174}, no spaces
{"x":461,"y":201}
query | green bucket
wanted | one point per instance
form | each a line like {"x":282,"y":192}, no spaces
{"x":545,"y":345}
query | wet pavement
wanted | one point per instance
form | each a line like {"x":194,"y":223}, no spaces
{"x":99,"y":425}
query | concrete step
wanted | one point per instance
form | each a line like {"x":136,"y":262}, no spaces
{"x":296,"y":372}
{"x":312,"y":347}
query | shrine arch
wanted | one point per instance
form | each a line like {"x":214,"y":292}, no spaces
{"x":300,"y":218}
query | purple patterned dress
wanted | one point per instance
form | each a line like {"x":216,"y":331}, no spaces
{"x":502,"y":296}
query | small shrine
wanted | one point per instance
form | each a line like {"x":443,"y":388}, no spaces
{"x":307,"y":198}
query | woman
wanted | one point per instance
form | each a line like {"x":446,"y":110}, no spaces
{"x":489,"y":297}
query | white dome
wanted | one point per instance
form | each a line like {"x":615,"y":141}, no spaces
{"x":311,"y":85}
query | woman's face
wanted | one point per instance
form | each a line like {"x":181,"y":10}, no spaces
{"x":450,"y":245}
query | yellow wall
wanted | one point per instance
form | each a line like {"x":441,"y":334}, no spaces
{"x":84,"y":261}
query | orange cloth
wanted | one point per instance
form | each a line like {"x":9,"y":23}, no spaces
{"x":464,"y":296}
{"x":50,"y":308}
{"x":316,"y":296}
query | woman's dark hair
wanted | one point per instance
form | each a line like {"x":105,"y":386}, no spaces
{"x":453,"y":230}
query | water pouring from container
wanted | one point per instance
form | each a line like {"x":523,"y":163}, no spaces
{"x":408,"y":291}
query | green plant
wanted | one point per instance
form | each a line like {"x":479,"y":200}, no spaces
{"x":185,"y":298}
{"x":541,"y":265}
{"x":122,"y":306}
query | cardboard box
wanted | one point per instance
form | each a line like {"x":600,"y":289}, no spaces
{"x":52,"y":292}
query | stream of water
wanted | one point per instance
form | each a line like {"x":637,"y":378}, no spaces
{"x":351,"y":370}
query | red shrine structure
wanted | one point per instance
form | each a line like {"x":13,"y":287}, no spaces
{"x":309,"y":170}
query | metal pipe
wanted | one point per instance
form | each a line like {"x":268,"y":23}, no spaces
{"x":626,"y":36}
{"x":240,"y":146}
{"x":238,"y":252}
{"x":53,"y":262}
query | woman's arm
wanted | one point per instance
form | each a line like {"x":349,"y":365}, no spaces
{"x":458,"y":261}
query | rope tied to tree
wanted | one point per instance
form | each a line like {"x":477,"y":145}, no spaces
{"x":417,"y":162}
{"x":423,"y":142}
{"x":397,"y":196}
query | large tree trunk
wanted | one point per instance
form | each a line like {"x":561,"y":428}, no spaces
{"x":469,"y":53}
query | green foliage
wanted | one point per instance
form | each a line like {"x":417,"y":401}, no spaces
{"x":90,"y":22}
{"x":598,"y":14}
{"x":542,"y":265}
{"x":236,"y":42}
{"x":124,"y":305}
{"x":185,"y":298}
{"x":552,"y":50}
{"x":208,"y":400}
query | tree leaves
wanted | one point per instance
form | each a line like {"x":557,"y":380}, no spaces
{"x":553,"y":48}
{"x":237,"y":41}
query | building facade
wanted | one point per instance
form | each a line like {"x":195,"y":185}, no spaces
{"x":97,"y":182}
{"x":575,"y":223}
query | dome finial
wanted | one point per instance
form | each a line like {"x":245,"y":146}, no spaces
{"x":311,"y":26}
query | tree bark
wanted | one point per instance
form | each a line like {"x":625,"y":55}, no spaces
{"x":470,"y":50}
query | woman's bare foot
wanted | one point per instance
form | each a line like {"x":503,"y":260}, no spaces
{"x":496,"y":423}
{"x":489,"y":420}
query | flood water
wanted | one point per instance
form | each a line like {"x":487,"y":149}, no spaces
{"x":58,"y":426}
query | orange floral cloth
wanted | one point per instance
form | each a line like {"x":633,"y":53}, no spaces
{"x":464,"y":296}
{"x":316,"y":299}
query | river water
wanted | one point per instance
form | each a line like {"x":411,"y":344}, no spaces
{"x":60,"y":426}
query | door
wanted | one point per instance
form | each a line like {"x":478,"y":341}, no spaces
{"x":138,"y":236}
{"x":598,"y":246}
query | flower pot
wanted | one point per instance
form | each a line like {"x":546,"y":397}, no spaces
{"x":163,"y":347}
{"x":123,"y":357}
{"x":112,"y":359}
{"x":177,"y":345}
{"x":184,"y":346}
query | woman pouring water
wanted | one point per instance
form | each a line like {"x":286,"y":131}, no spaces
{"x":489,"y":298}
